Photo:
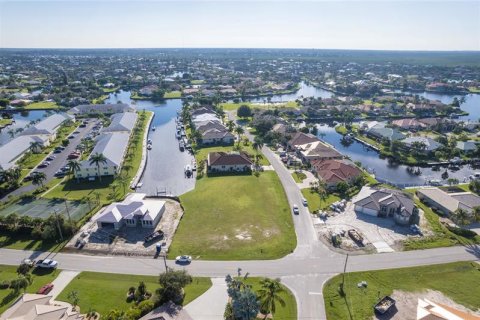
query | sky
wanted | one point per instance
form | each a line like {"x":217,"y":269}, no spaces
{"x":354,"y":24}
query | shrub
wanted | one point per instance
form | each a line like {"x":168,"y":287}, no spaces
{"x":462,"y":232}
{"x":4,"y":284}
{"x":145,"y":307}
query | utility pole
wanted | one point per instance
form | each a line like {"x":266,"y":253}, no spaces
{"x":58,"y":224}
{"x":165,"y":262}
{"x":69,"y":218}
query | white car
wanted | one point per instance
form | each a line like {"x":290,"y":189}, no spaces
{"x":183,"y":259}
{"x":47,"y":264}
{"x":295,"y":209}
{"x":305,"y":203}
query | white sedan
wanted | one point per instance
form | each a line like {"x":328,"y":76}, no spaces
{"x":183,"y":259}
{"x":47,"y":264}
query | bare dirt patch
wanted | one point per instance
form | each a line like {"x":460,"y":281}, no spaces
{"x":406,"y":304}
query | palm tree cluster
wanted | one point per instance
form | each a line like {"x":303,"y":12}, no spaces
{"x":245,"y":304}
{"x":11,"y":177}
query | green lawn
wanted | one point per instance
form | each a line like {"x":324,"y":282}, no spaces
{"x":100,"y":99}
{"x":73,"y":190}
{"x":9,"y":273}
{"x":202,"y":152}
{"x":197,"y":81}
{"x":235,"y":218}
{"x":289,"y":311}
{"x":341,"y":129}
{"x":460,"y":281}
{"x":5,"y":122}
{"x":93,"y":288}
{"x":313,"y":200}
{"x":299,"y":176}
{"x":42,"y":105}
{"x":25,"y":242}
{"x":110,"y":90}
{"x":172,"y":94}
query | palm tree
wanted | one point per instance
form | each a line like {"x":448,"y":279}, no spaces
{"x":239,"y":131}
{"x":123,"y":180}
{"x":269,"y":295}
{"x":322,"y":191}
{"x":230,"y":125}
{"x":35,"y":146}
{"x":476,"y":214}
{"x":461,"y":217}
{"x":257,"y":143}
{"x":73,"y":166}
{"x":39,"y":178}
{"x":98,"y":159}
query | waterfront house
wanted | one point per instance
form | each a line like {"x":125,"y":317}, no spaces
{"x":380,"y":132}
{"x":86,"y":109}
{"x":430,"y":144}
{"x":335,"y":171}
{"x":409,"y":124}
{"x":301,"y":138}
{"x":122,"y":122}
{"x":229,"y":162}
{"x":448,"y":203}
{"x":386,"y":203}
{"x":317,"y":150}
{"x":467,"y":146}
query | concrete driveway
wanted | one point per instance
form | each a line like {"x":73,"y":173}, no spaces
{"x":211,"y":304}
{"x":164,"y":172}
{"x":61,"y":282}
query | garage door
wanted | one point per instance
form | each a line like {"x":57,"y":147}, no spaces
{"x":107,"y":225}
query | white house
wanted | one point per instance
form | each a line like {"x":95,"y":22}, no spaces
{"x":134,"y":211}
{"x":48,"y":127}
{"x":228,"y":162}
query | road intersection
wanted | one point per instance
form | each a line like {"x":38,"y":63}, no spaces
{"x":304,"y":271}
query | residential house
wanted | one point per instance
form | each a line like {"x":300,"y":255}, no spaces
{"x":430,"y":144}
{"x":301,"y":138}
{"x":40,"y":307}
{"x":467,"y":146}
{"x":211,"y":128}
{"x":448,"y":203}
{"x":409,"y":124}
{"x":134,"y":211}
{"x":85,"y":109}
{"x":386,"y":203}
{"x":229,"y":162}
{"x":380,"y":131}
{"x":335,"y":171}
{"x":317,"y":150}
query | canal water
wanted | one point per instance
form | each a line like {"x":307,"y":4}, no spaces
{"x":382,"y":168}
{"x":22,"y":119}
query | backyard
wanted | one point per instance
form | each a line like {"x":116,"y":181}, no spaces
{"x":459,"y":281}
{"x":242,"y":217}
{"x":8,"y":273}
{"x":93,"y":288}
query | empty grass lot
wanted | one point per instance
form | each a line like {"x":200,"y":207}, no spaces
{"x":93,"y":289}
{"x":287,"y":312}
{"x":460,"y":281}
{"x":44,"y":105}
{"x":235,"y":218}
{"x":8,"y":273}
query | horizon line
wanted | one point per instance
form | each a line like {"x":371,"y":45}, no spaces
{"x":234,"y":48}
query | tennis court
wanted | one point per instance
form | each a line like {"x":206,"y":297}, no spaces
{"x":43,"y":208}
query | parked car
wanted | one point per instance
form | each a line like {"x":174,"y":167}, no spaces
{"x":60,"y":174}
{"x":50,"y":158}
{"x":183,"y":259}
{"x":43,"y":164}
{"x":28,"y":262}
{"x":304,"y":202}
{"x":73,"y":155}
{"x":47,"y":264}
{"x":45,"y":289}
{"x":295,"y":209}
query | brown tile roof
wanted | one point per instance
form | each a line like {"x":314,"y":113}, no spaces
{"x":334,"y":171}
{"x":302,"y":138}
{"x":233,"y":158}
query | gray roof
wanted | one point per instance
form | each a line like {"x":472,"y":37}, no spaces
{"x":467,"y":200}
{"x":122,"y":122}
{"x":112,"y":146}
{"x":386,"y":197}
{"x":466,"y":145}
{"x":388,"y":133}
{"x":431,"y":145}
{"x":48,"y":125}
{"x":215,"y":133}
{"x":11,"y":151}
{"x":101,"y":108}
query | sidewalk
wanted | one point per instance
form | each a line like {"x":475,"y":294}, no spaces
{"x":62,"y":281}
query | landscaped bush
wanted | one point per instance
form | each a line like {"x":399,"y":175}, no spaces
{"x":462,"y":232}
{"x":5,"y":284}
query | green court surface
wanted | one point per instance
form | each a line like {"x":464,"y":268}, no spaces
{"x":43,"y":208}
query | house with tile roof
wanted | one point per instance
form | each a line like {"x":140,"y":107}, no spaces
{"x":40,"y":307}
{"x":317,"y":150}
{"x":335,"y":171}
{"x":386,"y":203}
{"x":229,"y":162}
{"x":134,"y":211}
{"x":409,"y":124}
{"x":301,"y":138}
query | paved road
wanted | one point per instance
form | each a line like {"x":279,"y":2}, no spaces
{"x":59,"y":161}
{"x":164,"y":172}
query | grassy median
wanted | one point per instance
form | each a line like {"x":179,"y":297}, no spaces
{"x":236,"y":217}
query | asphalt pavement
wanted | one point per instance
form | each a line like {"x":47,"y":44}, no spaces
{"x":59,"y":161}
{"x":165,"y":170}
